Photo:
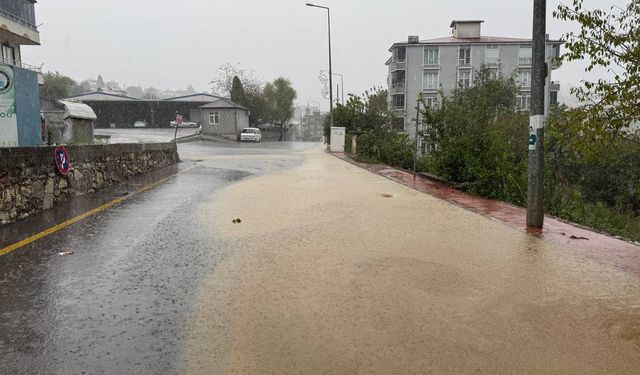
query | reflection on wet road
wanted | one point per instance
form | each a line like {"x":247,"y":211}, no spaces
{"x":120,"y":302}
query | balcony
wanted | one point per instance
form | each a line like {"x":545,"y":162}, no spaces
{"x":21,"y":65}
{"x":17,"y":17}
{"x":397,"y":65}
{"x":396,"y":88}
{"x":524,"y":61}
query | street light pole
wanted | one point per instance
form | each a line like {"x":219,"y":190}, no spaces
{"x":330,"y":71}
{"x":535,"y":198}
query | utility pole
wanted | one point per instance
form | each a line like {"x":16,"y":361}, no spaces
{"x":535,"y":197}
{"x":415,"y":154}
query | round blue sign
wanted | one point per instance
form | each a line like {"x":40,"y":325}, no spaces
{"x":62,"y":160}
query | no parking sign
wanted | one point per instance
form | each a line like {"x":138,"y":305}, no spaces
{"x":62,"y":160}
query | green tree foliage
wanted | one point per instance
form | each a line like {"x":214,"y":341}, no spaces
{"x":279,"y":96}
{"x":368,"y":116}
{"x":611,"y":41}
{"x":237,"y":92}
{"x":601,"y":191}
{"x":58,"y":86}
{"x":478,"y":140}
{"x":361,"y":112}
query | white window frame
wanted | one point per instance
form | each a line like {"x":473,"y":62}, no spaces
{"x":460,"y":82}
{"x":523,"y":57}
{"x":524,"y":83}
{"x":214,"y":118}
{"x":523,"y":102}
{"x":395,"y":54}
{"x":494,"y":60}
{"x":431,"y":56}
{"x":494,"y":73}
{"x":10,"y":60}
{"x":393,"y":104}
{"x":434,"y":85}
{"x":462,"y":61}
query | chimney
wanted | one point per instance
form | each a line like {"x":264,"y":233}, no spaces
{"x":414,"y":39}
{"x":466,"y":29}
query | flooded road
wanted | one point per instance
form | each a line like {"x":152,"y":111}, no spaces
{"x":121,"y":302}
{"x":333,"y":269}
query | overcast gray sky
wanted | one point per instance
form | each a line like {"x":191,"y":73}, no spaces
{"x":170,"y":44}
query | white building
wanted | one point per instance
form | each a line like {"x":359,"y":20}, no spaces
{"x":442,"y":64}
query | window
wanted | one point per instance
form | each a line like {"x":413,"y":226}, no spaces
{"x":431,"y":101}
{"x":431,"y":56}
{"x":492,"y":55}
{"x":397,"y":101}
{"x":430,"y":79}
{"x":214,"y":119}
{"x":494,"y":74}
{"x":397,"y":79}
{"x":464,"y":79}
{"x":524,"y":55}
{"x":8,"y":55}
{"x":400,"y":54}
{"x":465,"y":56}
{"x":523,"y":102}
{"x":524,"y":78}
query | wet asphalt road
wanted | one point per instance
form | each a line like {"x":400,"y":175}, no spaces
{"x":121,"y":302}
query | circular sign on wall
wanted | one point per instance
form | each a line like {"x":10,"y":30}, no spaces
{"x":62,"y":160}
{"x":5,"y":82}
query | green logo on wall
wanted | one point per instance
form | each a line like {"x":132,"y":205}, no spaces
{"x":5,"y":82}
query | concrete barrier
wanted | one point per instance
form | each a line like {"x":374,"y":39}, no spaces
{"x":30,"y":181}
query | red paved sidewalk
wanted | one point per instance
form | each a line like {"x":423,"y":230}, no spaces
{"x":624,"y":255}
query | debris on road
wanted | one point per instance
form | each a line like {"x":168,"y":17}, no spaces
{"x":236,"y":221}
{"x":64,"y":253}
{"x":577,"y":237}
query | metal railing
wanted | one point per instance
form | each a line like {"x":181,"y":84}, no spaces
{"x":19,"y":20}
{"x":20,"y":64}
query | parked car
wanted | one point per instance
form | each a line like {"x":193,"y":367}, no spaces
{"x":184,"y":124}
{"x":140,"y":124}
{"x":250,"y":135}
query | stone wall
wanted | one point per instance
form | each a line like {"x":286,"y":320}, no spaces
{"x":30,"y":181}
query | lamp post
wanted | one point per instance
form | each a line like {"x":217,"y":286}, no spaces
{"x":330,"y":72}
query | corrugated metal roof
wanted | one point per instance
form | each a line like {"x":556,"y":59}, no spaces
{"x":78,"y":110}
{"x":200,"y":97}
{"x":99,"y":96}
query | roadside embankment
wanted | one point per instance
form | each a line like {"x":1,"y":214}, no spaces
{"x":30,"y":182}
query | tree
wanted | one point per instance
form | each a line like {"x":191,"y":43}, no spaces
{"x":58,"y":86}
{"x":237,"y":92}
{"x":361,"y":112}
{"x":135,"y":91}
{"x":279,"y":97}
{"x":478,"y":139}
{"x":610,"y":41}
{"x":152,"y":93}
{"x":222,"y":83}
{"x":100,"y":82}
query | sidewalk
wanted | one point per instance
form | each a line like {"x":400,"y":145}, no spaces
{"x":622,"y":254}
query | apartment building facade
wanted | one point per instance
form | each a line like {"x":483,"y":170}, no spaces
{"x":443,"y":64}
{"x":20,"y":123}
